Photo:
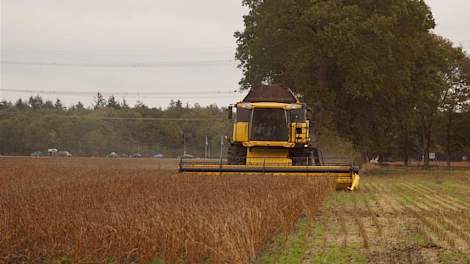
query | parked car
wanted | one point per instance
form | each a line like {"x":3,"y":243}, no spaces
{"x":112,"y":155}
{"x":37,"y":154}
{"x":64,"y":153}
{"x":137,"y":155}
{"x":123,"y":155}
{"x":158,"y":156}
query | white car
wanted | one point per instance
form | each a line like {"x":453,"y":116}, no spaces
{"x":112,"y":155}
{"x":64,"y":153}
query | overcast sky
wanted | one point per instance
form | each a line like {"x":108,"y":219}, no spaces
{"x":148,"y":50}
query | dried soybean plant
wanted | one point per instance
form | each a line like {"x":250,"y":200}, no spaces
{"x":109,"y":212}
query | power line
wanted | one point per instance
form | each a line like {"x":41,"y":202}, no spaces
{"x":146,"y":95}
{"x":124,"y":118}
{"x":175,"y":97}
{"x":169,"y":64}
{"x":124,"y":53}
{"x":56,"y":92}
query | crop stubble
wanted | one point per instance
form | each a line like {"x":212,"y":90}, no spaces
{"x":405,"y":219}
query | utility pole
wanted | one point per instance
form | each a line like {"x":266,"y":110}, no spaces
{"x":209,"y":150}
{"x":221,"y":146}
{"x":184,"y":144}
{"x":206,"y":148}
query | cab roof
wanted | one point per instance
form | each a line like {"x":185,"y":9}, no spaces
{"x":271,"y":93}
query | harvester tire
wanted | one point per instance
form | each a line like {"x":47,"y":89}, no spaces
{"x":236,"y":154}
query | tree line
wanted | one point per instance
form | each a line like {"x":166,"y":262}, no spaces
{"x":373,"y":71}
{"x":110,"y":125}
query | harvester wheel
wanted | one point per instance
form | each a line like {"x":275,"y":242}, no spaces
{"x":236,"y":154}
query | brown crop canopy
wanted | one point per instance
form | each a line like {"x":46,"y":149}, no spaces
{"x":270,"y":93}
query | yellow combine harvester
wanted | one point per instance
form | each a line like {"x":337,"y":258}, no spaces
{"x":271,"y":134}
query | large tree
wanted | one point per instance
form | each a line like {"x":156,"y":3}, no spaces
{"x":354,"y":61}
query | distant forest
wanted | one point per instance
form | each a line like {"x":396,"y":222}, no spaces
{"x":109,"y":126}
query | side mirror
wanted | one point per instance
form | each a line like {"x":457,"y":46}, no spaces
{"x":230,"y":112}
{"x":309,"y":114}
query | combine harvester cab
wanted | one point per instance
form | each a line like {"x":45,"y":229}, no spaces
{"x":271,"y":135}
